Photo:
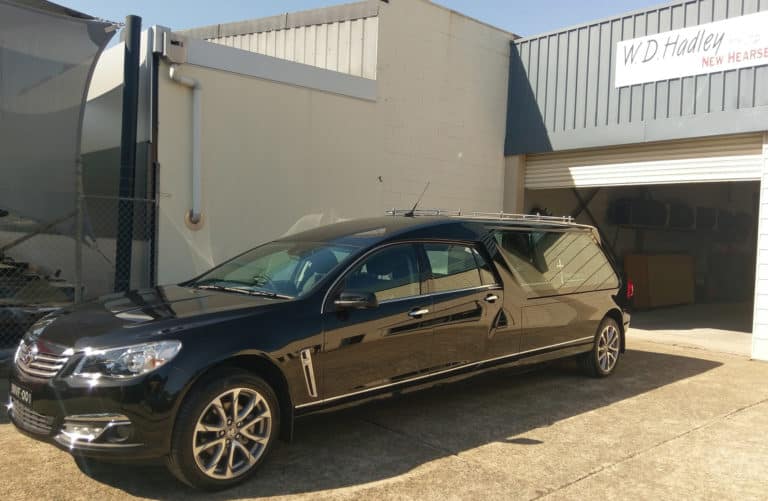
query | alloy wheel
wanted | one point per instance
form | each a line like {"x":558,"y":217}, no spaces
{"x":232,"y":433}
{"x":608,"y":348}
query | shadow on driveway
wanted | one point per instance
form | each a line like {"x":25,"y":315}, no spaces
{"x":387,"y":438}
{"x":3,"y":399}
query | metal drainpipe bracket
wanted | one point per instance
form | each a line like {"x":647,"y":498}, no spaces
{"x":194,"y":226}
{"x":175,"y":47}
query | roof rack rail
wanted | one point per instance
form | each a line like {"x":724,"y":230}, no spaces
{"x":479,"y":215}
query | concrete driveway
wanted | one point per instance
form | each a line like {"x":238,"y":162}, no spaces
{"x":673,"y":422}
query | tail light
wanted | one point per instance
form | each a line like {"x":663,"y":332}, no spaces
{"x":630,"y":289}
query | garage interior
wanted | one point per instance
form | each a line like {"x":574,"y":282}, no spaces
{"x":689,"y":249}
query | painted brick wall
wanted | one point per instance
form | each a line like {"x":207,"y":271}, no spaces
{"x":276,"y":156}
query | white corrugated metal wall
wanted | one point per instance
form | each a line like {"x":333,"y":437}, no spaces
{"x":723,"y":158}
{"x":760,"y":319}
{"x":349,"y":46}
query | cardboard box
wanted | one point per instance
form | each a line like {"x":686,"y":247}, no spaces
{"x":661,"y":279}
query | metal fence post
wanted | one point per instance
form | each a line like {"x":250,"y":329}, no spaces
{"x":79,"y":215}
{"x":126,"y":214}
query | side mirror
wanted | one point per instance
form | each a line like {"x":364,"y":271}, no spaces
{"x":356,"y":300}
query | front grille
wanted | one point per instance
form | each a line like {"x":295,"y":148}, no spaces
{"x":41,"y":360}
{"x":29,"y":419}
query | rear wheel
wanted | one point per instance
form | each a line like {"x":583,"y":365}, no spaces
{"x":601,"y":361}
{"x":224,"y":431}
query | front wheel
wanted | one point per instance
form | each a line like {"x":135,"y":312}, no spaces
{"x":224,"y":431}
{"x":601,"y":361}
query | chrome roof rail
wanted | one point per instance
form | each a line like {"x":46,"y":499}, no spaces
{"x":480,"y":215}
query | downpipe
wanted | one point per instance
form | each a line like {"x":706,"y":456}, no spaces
{"x":194,"y":217}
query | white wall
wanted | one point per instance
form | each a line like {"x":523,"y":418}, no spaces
{"x":273,"y":154}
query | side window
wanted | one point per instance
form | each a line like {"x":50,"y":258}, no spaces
{"x":551,"y":263}
{"x":453,"y":267}
{"x":391,"y":273}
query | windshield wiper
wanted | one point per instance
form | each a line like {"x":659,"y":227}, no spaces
{"x":242,"y":290}
{"x":221,"y":288}
{"x":273,"y":295}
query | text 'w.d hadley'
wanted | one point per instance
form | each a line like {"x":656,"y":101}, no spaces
{"x":739,"y":42}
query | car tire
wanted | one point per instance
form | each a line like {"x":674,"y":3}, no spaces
{"x":214,"y":447}
{"x":602,"y":359}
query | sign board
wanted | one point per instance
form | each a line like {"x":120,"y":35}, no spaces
{"x":739,"y":42}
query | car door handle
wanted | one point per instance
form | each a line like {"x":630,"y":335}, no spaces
{"x":491,"y":298}
{"x":418,"y":312}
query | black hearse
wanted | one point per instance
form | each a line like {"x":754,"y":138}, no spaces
{"x":210,"y":372}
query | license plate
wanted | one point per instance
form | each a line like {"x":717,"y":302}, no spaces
{"x":20,"y":394}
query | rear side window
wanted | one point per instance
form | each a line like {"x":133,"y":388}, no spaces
{"x":486,"y":274}
{"x":457,"y":266}
{"x":550,"y":263}
{"x":453,"y":267}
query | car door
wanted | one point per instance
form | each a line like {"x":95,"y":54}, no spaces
{"x":467,"y":300}
{"x":366,"y":348}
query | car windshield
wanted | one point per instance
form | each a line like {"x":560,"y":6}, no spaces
{"x":281,"y":270}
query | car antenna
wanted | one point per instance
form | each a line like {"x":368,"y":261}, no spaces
{"x":412,"y":212}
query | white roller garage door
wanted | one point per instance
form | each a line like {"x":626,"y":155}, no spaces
{"x":721,"y":158}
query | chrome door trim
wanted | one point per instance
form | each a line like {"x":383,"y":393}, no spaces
{"x":406,"y":298}
{"x":467,"y":289}
{"x":443,"y":293}
{"x":581,"y":340}
{"x":445,"y":371}
{"x":309,"y":371}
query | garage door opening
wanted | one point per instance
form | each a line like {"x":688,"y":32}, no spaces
{"x":690,"y":250}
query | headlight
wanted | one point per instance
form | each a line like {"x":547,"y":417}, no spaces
{"x":127,"y":361}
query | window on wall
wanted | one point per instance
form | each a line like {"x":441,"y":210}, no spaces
{"x":551,"y":263}
{"x":391,"y":273}
{"x":456,"y":267}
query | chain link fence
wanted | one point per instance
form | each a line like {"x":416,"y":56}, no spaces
{"x":44,"y":268}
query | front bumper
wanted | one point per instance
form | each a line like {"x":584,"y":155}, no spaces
{"x":124,"y":420}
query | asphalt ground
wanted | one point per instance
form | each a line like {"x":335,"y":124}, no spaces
{"x":672,"y":422}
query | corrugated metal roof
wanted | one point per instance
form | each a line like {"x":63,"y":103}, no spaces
{"x":349,"y":47}
{"x":333,"y":14}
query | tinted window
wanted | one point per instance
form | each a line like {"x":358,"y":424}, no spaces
{"x":453,"y":267}
{"x":550,"y":263}
{"x":391,"y":273}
